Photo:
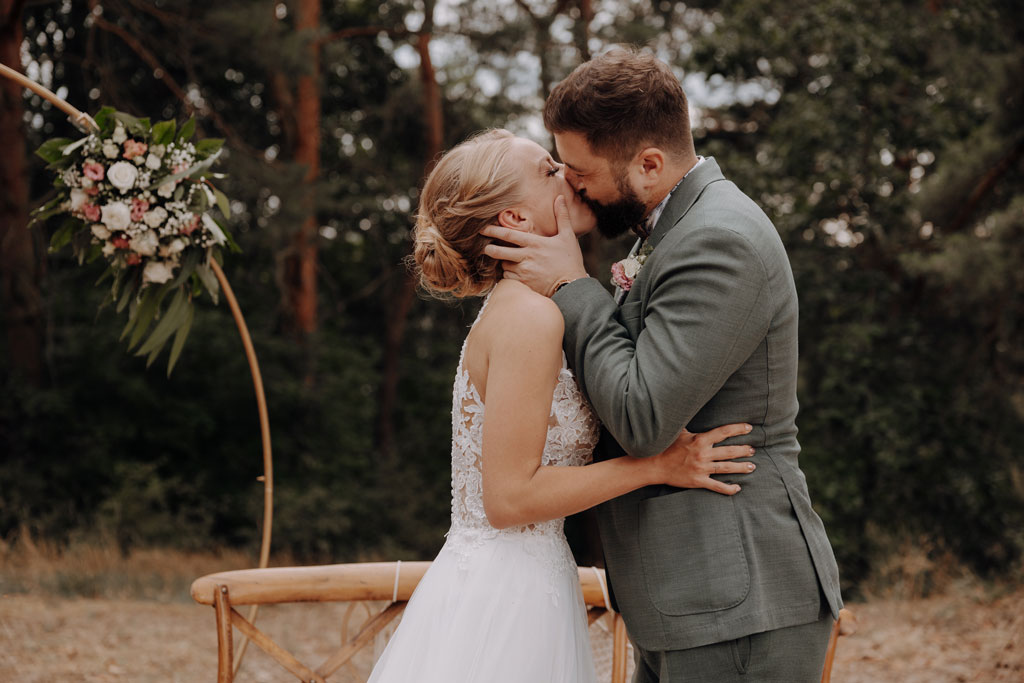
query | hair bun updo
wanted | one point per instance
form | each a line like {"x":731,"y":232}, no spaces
{"x":467,"y":189}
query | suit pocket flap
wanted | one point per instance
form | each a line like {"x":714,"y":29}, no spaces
{"x":692,"y":553}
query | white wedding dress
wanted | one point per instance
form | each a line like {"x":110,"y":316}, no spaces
{"x":498,"y":605}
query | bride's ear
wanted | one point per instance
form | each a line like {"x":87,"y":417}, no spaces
{"x":515,"y":219}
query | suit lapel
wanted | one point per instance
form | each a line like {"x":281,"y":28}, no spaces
{"x":685,"y":196}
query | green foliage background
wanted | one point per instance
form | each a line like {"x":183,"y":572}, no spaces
{"x":868,"y":131}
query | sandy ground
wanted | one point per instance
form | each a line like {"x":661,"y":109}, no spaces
{"x":968,"y":636}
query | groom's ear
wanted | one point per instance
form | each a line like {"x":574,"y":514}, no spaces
{"x":650,"y":164}
{"x":515,"y":219}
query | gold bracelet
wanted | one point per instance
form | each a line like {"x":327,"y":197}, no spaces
{"x":561,"y":283}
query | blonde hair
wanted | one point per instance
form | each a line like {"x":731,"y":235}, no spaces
{"x":467,"y":189}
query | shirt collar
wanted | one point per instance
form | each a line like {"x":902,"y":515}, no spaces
{"x":652,"y":218}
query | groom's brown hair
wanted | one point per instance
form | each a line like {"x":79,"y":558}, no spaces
{"x":622,"y":101}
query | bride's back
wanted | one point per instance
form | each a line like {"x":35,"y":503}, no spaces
{"x":572,"y":428}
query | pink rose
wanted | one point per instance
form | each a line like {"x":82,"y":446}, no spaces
{"x":92,"y":191}
{"x":121,"y":242}
{"x":139,"y":207}
{"x":133,"y":148}
{"x":190,"y":228}
{"x":133,"y":259}
{"x":92,"y":170}
{"x":619,"y":278}
{"x":91,"y":211}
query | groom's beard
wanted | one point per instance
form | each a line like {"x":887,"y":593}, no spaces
{"x":615,"y":218}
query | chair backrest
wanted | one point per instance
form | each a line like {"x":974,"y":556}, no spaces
{"x":391,"y":582}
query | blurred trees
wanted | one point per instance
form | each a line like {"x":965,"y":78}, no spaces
{"x":883,"y":138}
{"x":20,"y":264}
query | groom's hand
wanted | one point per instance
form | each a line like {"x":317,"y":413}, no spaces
{"x":692,"y":459}
{"x":542,"y":263}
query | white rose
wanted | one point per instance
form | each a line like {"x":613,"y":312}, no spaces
{"x":145,"y":244}
{"x":110,"y":150}
{"x":152,"y":162}
{"x":78,"y":197}
{"x":101,"y":232}
{"x":155,"y":218}
{"x":630,"y":268}
{"x":119,"y":135}
{"x":122,"y":175}
{"x":175,"y":247}
{"x":116,"y":216}
{"x":166,"y":190}
{"x":157,"y":272}
{"x":108,"y":249}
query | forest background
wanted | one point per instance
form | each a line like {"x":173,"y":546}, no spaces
{"x":883,"y":138}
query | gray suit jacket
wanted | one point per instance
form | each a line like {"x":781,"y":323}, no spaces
{"x":706,"y":336}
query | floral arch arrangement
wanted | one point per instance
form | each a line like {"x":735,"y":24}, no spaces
{"x":141,"y":197}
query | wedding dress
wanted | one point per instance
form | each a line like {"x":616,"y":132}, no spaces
{"x":498,"y":605}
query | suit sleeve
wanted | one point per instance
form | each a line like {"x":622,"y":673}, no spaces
{"x":707,"y":310}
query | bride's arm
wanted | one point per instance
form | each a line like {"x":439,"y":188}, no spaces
{"x":523,"y":366}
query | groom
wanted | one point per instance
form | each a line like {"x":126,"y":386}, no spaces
{"x":712,"y":587}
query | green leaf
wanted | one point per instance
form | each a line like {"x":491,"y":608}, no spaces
{"x":209,"y":280}
{"x":95,"y":251}
{"x":134,"y":125}
{"x":115,"y":287}
{"x":231,"y":243}
{"x":126,"y":296}
{"x":82,"y":246}
{"x":187,"y":130}
{"x":169,"y":322}
{"x":53,"y":150}
{"x":63,"y":235}
{"x":163,"y":132}
{"x":199,"y":202}
{"x":222,"y":203}
{"x":48,"y":209}
{"x":104,"y":118}
{"x":179,"y":339}
{"x":109,"y":272}
{"x":189,"y":261}
{"x":74,"y":146}
{"x":191,"y":170}
{"x":209,"y":146}
{"x":147,"y":311}
{"x":133,"y":311}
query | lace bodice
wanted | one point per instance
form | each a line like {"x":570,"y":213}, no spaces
{"x":571,"y":437}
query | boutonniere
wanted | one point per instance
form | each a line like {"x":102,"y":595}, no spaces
{"x":624,"y":272}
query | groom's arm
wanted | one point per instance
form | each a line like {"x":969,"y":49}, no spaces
{"x":706,"y":313}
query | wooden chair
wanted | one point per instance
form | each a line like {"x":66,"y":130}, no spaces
{"x":393,"y":582}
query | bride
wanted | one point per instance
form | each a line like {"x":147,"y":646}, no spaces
{"x":501,"y":603}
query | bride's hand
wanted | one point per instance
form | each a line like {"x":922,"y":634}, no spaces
{"x":692,"y":458}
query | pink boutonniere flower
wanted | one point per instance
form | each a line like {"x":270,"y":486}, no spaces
{"x":624,"y":272}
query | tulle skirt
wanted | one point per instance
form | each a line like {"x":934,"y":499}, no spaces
{"x":501,"y":610}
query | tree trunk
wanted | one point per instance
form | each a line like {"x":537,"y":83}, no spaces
{"x":300,"y":267}
{"x":20,"y":268}
{"x":433,"y":123}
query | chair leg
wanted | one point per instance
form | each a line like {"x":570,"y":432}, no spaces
{"x":225,"y":656}
{"x":618,"y":649}
{"x":830,"y":654}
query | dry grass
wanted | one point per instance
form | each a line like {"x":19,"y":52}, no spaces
{"x":89,"y":614}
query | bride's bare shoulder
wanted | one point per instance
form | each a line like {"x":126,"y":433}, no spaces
{"x":516,"y":306}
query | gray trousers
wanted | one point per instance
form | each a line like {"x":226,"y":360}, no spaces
{"x":786,"y":655}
